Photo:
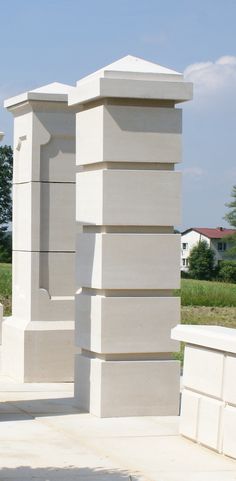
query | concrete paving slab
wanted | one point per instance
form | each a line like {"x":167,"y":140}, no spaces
{"x":43,"y":436}
{"x":42,"y":406}
{"x":168,"y":458}
{"x":155,"y":450}
{"x":87,"y":426}
{"x":8,"y":384}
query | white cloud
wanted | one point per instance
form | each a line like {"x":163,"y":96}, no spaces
{"x":193,"y":172}
{"x":211,"y":78}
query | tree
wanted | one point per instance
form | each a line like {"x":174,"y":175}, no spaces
{"x":227,"y":271}
{"x":201,"y":261}
{"x":231,"y":219}
{"x":6,"y":168}
{"x":5,"y":246}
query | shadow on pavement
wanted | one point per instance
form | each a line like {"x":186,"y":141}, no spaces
{"x":13,"y":410}
{"x":70,"y":473}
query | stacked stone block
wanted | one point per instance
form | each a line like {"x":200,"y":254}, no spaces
{"x":128,"y":200}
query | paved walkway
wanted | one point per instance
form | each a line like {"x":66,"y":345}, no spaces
{"x":43,"y":436}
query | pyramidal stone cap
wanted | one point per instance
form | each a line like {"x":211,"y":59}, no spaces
{"x":130,"y":67}
{"x":54,"y":92}
{"x":132,"y":77}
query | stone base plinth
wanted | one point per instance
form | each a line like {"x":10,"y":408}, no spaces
{"x":108,"y":388}
{"x":38,"y":351}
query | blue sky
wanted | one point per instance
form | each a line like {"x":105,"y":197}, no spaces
{"x":64,"y":40}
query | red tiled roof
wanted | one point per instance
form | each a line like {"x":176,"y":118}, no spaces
{"x":211,"y":233}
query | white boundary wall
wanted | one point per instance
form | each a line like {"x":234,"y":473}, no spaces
{"x":208,"y":412}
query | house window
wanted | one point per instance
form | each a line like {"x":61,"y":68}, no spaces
{"x":184,"y":246}
{"x":183,"y":262}
{"x":222,"y":246}
{"x":187,"y":262}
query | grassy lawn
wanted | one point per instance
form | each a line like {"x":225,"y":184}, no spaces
{"x":218,"y":316}
{"x":5,"y":288}
{"x":207,"y":293}
{"x":203,"y":302}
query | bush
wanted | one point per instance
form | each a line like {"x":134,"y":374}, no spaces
{"x":5,"y":246}
{"x":184,"y":275}
{"x":201,"y":262}
{"x":6,"y":166}
{"x":227,"y":271}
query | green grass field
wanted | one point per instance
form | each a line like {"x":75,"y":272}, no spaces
{"x":207,"y":293}
{"x":203,"y":302}
{"x":5,"y":288}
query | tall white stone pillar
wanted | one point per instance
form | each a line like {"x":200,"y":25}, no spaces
{"x":128,"y":200}
{"x":38,"y":340}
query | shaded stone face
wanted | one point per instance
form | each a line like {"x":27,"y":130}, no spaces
{"x":128,"y":201}
{"x":130,"y":133}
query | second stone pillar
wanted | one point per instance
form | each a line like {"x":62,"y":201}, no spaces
{"x":128,"y":200}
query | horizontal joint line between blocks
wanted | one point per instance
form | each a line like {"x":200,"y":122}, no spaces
{"x":201,"y":393}
{"x":127,"y":292}
{"x":44,"y":252}
{"x":229,"y":404}
{"x":131,"y":229}
{"x":169,"y":166}
{"x":208,"y":348}
{"x":116,"y":357}
{"x":43,"y":182}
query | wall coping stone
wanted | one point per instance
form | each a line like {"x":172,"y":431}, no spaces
{"x":213,"y":337}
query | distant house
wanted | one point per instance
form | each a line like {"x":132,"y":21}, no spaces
{"x":214,"y":237}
